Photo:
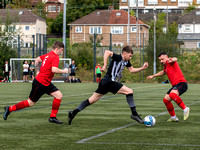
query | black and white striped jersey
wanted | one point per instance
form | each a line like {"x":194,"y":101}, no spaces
{"x":116,"y":66}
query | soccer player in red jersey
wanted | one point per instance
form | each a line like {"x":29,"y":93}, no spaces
{"x":42,"y":83}
{"x":178,"y":82}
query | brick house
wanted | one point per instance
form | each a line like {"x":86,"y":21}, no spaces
{"x":189,"y":30}
{"x":53,"y":8}
{"x":106,"y":22}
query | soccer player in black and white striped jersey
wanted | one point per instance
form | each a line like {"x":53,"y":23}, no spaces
{"x":108,"y":83}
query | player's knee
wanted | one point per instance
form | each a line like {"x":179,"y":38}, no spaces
{"x":129,"y":91}
{"x":165,"y":101}
{"x":172,"y":95}
{"x":59,"y":96}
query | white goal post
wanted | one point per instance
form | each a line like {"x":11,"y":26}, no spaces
{"x":16,"y":65}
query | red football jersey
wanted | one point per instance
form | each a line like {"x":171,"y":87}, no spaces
{"x":48,"y":61}
{"x":174,"y":73}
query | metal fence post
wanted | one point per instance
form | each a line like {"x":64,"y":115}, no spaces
{"x":18,"y":70}
{"x":33,"y":47}
{"x":94,"y":56}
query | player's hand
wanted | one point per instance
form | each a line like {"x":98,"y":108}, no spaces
{"x":150,"y":77}
{"x":66,"y":70}
{"x":169,"y":60}
{"x":145,"y":65}
{"x":103,"y":68}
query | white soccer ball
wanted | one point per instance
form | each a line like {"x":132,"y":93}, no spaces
{"x":149,"y":121}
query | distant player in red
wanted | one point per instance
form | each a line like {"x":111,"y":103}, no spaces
{"x":178,"y":82}
{"x":98,"y":72}
{"x":42,"y":83}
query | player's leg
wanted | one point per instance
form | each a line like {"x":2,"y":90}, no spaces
{"x":55,"y":107}
{"x":178,"y":90}
{"x":129,"y":97}
{"x":18,"y":106}
{"x":170,"y":108}
{"x":95,"y":97}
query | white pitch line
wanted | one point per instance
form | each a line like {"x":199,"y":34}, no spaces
{"x":154,"y":144}
{"x":122,"y":127}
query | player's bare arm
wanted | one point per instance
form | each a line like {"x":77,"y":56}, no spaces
{"x":38,"y":60}
{"x":134,"y":70}
{"x":172,"y":59}
{"x":161,"y":73}
{"x":57,"y":70}
{"x":105,"y":58}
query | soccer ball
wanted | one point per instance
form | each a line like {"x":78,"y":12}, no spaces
{"x":149,"y":121}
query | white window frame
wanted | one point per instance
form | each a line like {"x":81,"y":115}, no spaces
{"x":78,"y":29}
{"x":26,"y":28}
{"x":117,"y":30}
{"x":95,"y":29}
{"x":118,"y":44}
{"x":198,"y":1}
{"x":187,"y":28}
{"x":134,"y":30}
{"x":152,"y":2}
{"x":164,"y":1}
{"x":173,"y":1}
{"x":58,"y":8}
{"x":198,"y":44}
{"x":54,"y":8}
{"x":124,"y":1}
{"x":49,"y":8}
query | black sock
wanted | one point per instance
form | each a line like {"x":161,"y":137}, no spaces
{"x":81,"y":107}
{"x":130,"y":101}
{"x":134,"y":112}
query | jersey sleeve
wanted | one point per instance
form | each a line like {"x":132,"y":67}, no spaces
{"x":42,"y":57}
{"x":129,"y":64}
{"x":55,"y":62}
{"x":116,"y":57}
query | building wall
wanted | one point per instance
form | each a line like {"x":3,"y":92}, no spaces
{"x":117,"y":39}
{"x":189,"y":28}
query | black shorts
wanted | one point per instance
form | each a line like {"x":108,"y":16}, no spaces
{"x":32,"y":73}
{"x":181,"y":87}
{"x":39,"y":89}
{"x":25,"y":73}
{"x":98,"y":75}
{"x":72,"y":74}
{"x":107,"y":85}
{"x":6,"y":74}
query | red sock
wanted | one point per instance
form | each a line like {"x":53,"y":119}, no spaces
{"x":170,"y":107}
{"x":20,"y":105}
{"x":177,"y":99}
{"x":97,"y":80}
{"x":55,"y":107}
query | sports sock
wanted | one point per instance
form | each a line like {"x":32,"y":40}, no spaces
{"x":170,"y":107}
{"x":81,"y":107}
{"x":97,"y":80}
{"x":130,"y":101}
{"x":18,"y":106}
{"x":133,"y":110}
{"x":55,"y":107}
{"x":177,"y":99}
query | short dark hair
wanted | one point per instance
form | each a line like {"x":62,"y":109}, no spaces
{"x":127,"y":49}
{"x":58,"y":44}
{"x":162,"y":53}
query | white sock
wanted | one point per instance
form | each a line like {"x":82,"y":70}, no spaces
{"x":185,"y":109}
{"x":173,"y":117}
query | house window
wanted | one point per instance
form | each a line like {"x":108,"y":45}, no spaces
{"x":54,"y":8}
{"x":124,"y":1}
{"x":173,"y":1}
{"x":97,"y":30}
{"x":11,"y":28}
{"x":187,"y":28}
{"x":58,"y":8}
{"x":49,"y":8}
{"x":198,"y":45}
{"x":164,"y":1}
{"x":198,"y":1}
{"x":27,"y":28}
{"x":118,"y":44}
{"x":78,"y":29}
{"x":134,"y":29}
{"x":152,"y":2}
{"x":117,"y":30}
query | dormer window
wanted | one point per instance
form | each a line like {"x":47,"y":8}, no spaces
{"x":98,"y":13}
{"x":20,"y":12}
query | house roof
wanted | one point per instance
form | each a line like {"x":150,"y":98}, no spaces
{"x":107,"y":17}
{"x":19,"y":16}
{"x":191,"y":17}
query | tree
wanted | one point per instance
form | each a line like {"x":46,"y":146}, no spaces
{"x":40,"y":10}
{"x":8,"y":33}
{"x":164,"y":41}
{"x":77,"y":9}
